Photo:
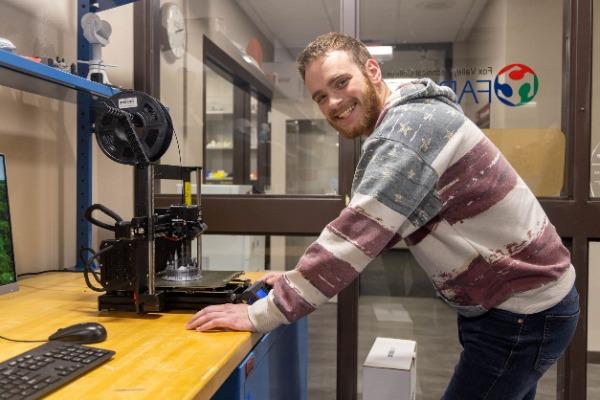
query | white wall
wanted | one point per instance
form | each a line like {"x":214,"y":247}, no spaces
{"x":38,"y":136}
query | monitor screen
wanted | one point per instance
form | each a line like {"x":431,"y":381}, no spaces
{"x":8,"y":274}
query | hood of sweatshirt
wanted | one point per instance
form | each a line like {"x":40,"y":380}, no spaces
{"x":408,"y":90}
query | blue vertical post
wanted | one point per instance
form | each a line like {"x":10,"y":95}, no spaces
{"x":84,"y":139}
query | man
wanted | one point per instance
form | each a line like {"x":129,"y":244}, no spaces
{"x":429,"y":176}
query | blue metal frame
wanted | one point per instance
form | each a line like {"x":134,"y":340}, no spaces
{"x":84,"y":141}
{"x":23,"y":74}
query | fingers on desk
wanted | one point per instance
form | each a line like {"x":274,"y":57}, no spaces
{"x":229,"y":316}
{"x":201,"y":316}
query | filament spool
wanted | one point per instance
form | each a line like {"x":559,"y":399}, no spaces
{"x":149,"y":119}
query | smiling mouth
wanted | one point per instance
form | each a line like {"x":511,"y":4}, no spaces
{"x":346,"y":112}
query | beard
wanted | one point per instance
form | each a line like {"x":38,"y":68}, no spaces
{"x":370,"y":107}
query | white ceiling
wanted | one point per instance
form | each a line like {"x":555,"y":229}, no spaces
{"x":294,"y":23}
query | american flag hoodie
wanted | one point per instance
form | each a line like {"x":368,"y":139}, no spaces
{"x":430,"y":176}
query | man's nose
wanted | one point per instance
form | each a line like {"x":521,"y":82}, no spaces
{"x":334,"y":102}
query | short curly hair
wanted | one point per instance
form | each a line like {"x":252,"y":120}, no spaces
{"x":329,"y":42}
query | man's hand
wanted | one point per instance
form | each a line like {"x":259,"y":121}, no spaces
{"x":271,"y":277}
{"x":222,"y":316}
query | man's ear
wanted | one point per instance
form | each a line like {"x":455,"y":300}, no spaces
{"x":373,"y":70}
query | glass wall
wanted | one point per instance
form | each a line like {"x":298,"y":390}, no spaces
{"x":216,"y":100}
{"x":503,"y":59}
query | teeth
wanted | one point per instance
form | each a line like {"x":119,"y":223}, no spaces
{"x":346,"y":112}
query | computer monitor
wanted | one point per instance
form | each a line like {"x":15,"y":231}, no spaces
{"x":8,"y":273}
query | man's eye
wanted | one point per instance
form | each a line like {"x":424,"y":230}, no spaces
{"x":320,"y":99}
{"x":341,"y":83}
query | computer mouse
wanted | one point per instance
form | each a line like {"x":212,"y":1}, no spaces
{"x":84,"y":333}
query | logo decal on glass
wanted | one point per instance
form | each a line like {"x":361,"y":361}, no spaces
{"x":516,"y":85}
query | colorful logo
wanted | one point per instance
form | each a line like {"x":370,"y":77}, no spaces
{"x":516,"y":84}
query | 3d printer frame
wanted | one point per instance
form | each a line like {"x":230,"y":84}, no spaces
{"x":148,"y":265}
{"x":134,"y":264}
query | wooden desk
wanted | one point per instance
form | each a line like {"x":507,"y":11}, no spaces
{"x":156,"y":357}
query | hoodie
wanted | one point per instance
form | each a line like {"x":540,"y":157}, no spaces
{"x":430,"y":176}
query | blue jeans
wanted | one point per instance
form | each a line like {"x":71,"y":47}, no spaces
{"x":505,"y":354}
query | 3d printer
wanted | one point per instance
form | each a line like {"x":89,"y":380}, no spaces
{"x":149,"y":266}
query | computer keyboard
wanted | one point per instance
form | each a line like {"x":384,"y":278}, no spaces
{"x":37,"y":372}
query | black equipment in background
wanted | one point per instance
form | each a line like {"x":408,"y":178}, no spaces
{"x":149,"y":266}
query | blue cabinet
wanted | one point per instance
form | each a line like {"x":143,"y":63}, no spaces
{"x":276,"y":368}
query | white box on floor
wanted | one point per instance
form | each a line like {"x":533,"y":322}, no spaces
{"x":390,"y":370}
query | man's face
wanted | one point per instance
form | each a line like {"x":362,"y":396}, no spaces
{"x":345,"y":94}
